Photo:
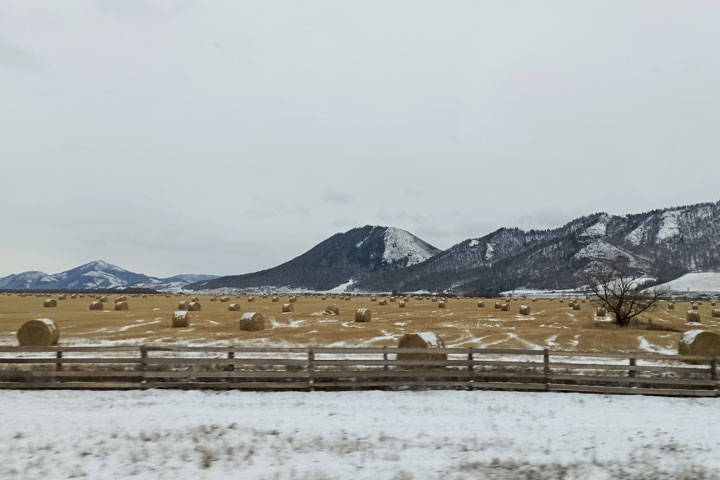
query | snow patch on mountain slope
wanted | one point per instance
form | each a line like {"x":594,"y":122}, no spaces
{"x":489,"y":251}
{"x":601,"y":250}
{"x":342,"y":288}
{"x":597,"y":230}
{"x":100,"y":279}
{"x":670,"y":226}
{"x":694,"y":282}
{"x":400,"y":245}
{"x":637,"y":236}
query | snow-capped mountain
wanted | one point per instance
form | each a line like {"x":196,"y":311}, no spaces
{"x":94,"y":275}
{"x":663,"y":244}
{"x":342,"y":259}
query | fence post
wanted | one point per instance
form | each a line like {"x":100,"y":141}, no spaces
{"x":546,"y":366}
{"x":143,"y":358}
{"x":471,"y":369}
{"x":58,"y":361}
{"x":311,"y":360}
{"x":713,"y":369}
{"x":385,"y":359}
{"x":632,"y":372}
{"x":230,"y":366}
{"x":58,"y":364}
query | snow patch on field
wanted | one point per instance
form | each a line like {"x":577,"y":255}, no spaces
{"x":396,"y":435}
{"x":645,"y":345}
{"x":128,"y":327}
{"x":291,"y":324}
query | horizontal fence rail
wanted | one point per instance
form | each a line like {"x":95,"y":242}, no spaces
{"x":325,"y":368}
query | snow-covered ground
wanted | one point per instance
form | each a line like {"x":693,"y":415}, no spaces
{"x":695,"y":282}
{"x":355,"y":435}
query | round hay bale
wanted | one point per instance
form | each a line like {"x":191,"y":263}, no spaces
{"x":194,"y":299}
{"x":224,"y":299}
{"x":692,"y":316}
{"x":275,"y":299}
{"x":699,"y":342}
{"x":382,"y":301}
{"x":121,"y":306}
{"x":42,"y":332}
{"x":292,"y":299}
{"x":180,"y":319}
{"x":600,"y":312}
{"x":323,"y":298}
{"x":183,"y":305}
{"x":49,"y":303}
{"x":715,"y":312}
{"x":497,"y":305}
{"x":288,"y":307}
{"x":121,"y":298}
{"x":213,"y":299}
{"x":233,"y":307}
{"x":252,"y":322}
{"x":194,"y":307}
{"x":671,"y":306}
{"x":401,"y":304}
{"x":576,"y":306}
{"x":481,"y":304}
{"x":434,"y":299}
{"x":63,"y":297}
{"x":392,"y":299}
{"x":505,"y":307}
{"x":251,"y":299}
{"x":373,"y":299}
{"x":363,"y":315}
{"x":332,"y":309}
{"x":695,"y":306}
{"x":441,"y":304}
{"x":97,"y":306}
{"x":427,"y":340}
{"x":103,"y":298}
{"x":524,"y":310}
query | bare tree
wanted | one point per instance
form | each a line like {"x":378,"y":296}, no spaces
{"x":622,"y":293}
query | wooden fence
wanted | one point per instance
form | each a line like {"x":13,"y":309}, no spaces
{"x":230,"y":368}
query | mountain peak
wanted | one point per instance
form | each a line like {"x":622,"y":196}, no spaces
{"x":342,"y":258}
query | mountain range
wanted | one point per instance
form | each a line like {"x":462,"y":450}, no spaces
{"x":663,"y":244}
{"x":96,"y":275}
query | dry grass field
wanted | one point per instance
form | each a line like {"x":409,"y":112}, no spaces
{"x":551,"y":323}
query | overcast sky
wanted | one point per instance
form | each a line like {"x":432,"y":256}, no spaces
{"x":229,"y":136}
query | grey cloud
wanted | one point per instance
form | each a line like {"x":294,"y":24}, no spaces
{"x":337,"y":197}
{"x":16,"y":56}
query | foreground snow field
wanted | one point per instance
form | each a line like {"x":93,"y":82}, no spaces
{"x":355,"y":435}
